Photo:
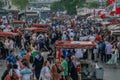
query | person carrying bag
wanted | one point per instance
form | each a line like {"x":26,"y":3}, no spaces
{"x":11,"y":75}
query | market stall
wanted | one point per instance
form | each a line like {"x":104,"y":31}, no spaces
{"x":18,"y":23}
{"x":75,"y":45}
{"x":36,"y":29}
{"x":8,"y":34}
{"x":41,"y":25}
{"x":3,"y":35}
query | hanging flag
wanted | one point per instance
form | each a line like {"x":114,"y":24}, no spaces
{"x":117,"y":10}
{"x":110,"y":2}
{"x":103,"y":16}
{"x":94,"y":12}
{"x":113,"y":10}
{"x":110,"y":5}
{"x":99,"y":12}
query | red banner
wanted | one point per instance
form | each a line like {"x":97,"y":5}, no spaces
{"x":103,"y":16}
{"x":110,"y":2}
{"x":118,"y":10}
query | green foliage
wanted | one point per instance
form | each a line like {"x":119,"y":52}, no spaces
{"x":1,"y":4}
{"x":93,"y":4}
{"x":81,"y":3}
{"x":56,"y":6}
{"x":21,"y":4}
{"x":69,"y":5}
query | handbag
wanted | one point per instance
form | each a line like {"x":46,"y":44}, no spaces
{"x":47,"y":75}
{"x":11,"y":76}
{"x":69,"y":78}
{"x":58,"y":70}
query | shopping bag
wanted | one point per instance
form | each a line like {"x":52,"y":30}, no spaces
{"x":69,"y":78}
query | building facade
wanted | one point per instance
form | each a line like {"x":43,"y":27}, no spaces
{"x":41,"y":3}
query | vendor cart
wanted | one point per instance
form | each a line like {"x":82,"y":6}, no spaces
{"x":18,"y":24}
{"x":84,"y":63}
{"x":36,"y":29}
{"x":41,"y":25}
{"x":3,"y":50}
{"x":8,"y":34}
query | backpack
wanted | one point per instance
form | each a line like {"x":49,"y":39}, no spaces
{"x":11,"y":75}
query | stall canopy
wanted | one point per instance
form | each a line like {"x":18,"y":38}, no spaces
{"x":8,"y":34}
{"x":114,"y":27}
{"x":36,"y":29}
{"x":40,"y":25}
{"x":116,"y":32}
{"x":74,"y":44}
{"x":18,"y":22}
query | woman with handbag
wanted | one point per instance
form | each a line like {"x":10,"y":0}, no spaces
{"x":57,"y":70}
{"x":9,"y":67}
{"x":45,"y":72}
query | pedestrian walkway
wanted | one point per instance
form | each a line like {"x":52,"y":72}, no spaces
{"x":109,"y":72}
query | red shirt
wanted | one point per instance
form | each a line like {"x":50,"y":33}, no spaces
{"x":58,"y":54}
{"x":98,"y":38}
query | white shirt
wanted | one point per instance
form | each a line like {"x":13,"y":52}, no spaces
{"x":79,"y":53}
{"x":108,"y":48}
{"x":17,"y":71}
{"x":40,"y":36}
{"x":45,"y":71}
{"x":71,"y":35}
{"x":92,"y":38}
{"x":11,"y":44}
{"x":64,"y":36}
{"x":26,"y":73}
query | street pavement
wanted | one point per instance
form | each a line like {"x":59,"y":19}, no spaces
{"x":110,"y":72}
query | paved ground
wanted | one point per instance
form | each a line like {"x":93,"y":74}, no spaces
{"x":110,"y":73}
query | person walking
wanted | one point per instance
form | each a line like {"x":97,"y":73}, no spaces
{"x":37,"y":64}
{"x":26,"y":72}
{"x":108,"y":51}
{"x":11,"y":59}
{"x":72,"y":69}
{"x":65,"y":67}
{"x":114,"y":57}
{"x":57,"y":70}
{"x":9,"y":67}
{"x":45,"y":72}
{"x":101,"y":47}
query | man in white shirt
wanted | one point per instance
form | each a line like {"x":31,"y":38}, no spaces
{"x":64,"y":36}
{"x":11,"y":44}
{"x":108,"y":50}
{"x":92,"y":38}
{"x":71,"y":34}
{"x":40,"y":37}
{"x":79,"y":53}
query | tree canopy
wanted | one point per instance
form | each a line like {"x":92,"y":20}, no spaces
{"x":93,"y":4}
{"x":20,"y":4}
{"x":1,"y":4}
{"x":69,"y":5}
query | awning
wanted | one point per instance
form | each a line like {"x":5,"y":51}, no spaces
{"x":36,"y":29}
{"x":115,"y":32}
{"x":114,"y":27}
{"x":18,"y":22}
{"x":41,"y":25}
{"x":8,"y":34}
{"x":74,"y":44}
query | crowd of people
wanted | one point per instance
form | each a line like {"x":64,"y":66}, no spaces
{"x":30,"y":62}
